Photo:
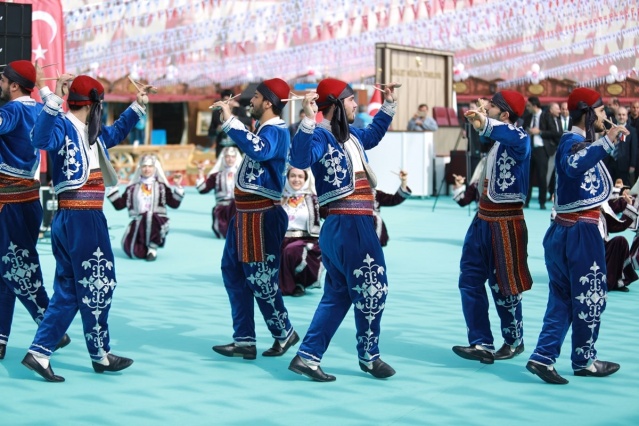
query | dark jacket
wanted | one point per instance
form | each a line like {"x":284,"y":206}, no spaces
{"x":626,"y":156}
{"x":550,"y":131}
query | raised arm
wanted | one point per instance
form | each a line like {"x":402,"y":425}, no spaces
{"x":206,"y":185}
{"x":174,"y":196}
{"x":577,"y":159}
{"x":258,"y":147}
{"x":49,"y":130}
{"x":308,"y":145}
{"x":509,"y":135}
{"x":113,"y":135}
{"x":373,"y":133}
{"x":118,"y":201}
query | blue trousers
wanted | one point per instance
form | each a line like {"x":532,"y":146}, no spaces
{"x":478,"y":265}
{"x":576,"y":262}
{"x":247,"y":283}
{"x":20,"y":273}
{"x":84,"y":281}
{"x":355,"y":276}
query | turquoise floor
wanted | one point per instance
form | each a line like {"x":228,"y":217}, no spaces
{"x":167,"y":314}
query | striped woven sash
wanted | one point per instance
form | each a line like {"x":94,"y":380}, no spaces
{"x":510,"y":243}
{"x":360,"y":202}
{"x":249,"y":225}
{"x":15,"y":190}
{"x":88,"y":197}
{"x":569,"y":219}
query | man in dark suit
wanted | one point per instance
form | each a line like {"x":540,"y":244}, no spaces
{"x":633,"y":121}
{"x":621,"y":165}
{"x":564,"y":117}
{"x":545,"y":131}
{"x":565,"y":122}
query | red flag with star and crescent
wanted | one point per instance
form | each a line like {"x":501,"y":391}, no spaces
{"x":47,"y":38}
{"x":375,"y":103}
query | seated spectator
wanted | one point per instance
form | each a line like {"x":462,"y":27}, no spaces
{"x":301,"y":260}
{"x":421,"y":121}
{"x":620,"y":270}
{"x":221,"y":179}
{"x":146,"y":198}
{"x":383,"y":199}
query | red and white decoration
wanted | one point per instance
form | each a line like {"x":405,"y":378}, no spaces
{"x":230,"y":42}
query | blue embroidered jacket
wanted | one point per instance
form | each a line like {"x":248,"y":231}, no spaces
{"x":317,"y":148}
{"x":17,"y":157}
{"x":55,"y":133}
{"x":263,"y":169}
{"x":507,"y":163}
{"x":583,"y":182}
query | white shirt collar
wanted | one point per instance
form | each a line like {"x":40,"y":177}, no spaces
{"x":272,"y":121}
{"x":25,"y":100}
{"x":578,"y":130}
{"x":82,"y":127}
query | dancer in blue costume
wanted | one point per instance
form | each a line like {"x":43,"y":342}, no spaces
{"x":20,"y":208}
{"x":495,"y":247}
{"x":251,"y":258}
{"x":351,"y":251}
{"x":573,"y":247}
{"x":85,"y":274}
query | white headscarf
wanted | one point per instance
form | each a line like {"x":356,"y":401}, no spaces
{"x":220,"y":163}
{"x":149,"y":159}
{"x":307,"y":188}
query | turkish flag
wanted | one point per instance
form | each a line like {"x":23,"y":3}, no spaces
{"x":375,"y":103}
{"x":47,"y":38}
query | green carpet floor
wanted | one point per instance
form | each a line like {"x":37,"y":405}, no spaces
{"x":167,"y":314}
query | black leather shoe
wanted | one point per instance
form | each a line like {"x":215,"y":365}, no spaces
{"x":116,"y":363}
{"x":475,"y":354}
{"x":506,"y":352}
{"x":380,"y":369}
{"x":603,"y":369}
{"x":298,"y":366}
{"x":3,"y":350}
{"x":47,"y":374}
{"x":231,"y":350}
{"x":545,"y":373}
{"x":623,"y":289}
{"x":278,"y":350}
{"x":63,"y":342}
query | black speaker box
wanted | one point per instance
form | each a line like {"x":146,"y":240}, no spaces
{"x":15,"y":32}
{"x":15,"y":48}
{"x":17,"y":18}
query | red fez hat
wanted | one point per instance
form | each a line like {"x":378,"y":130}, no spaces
{"x":589,"y":98}
{"x":85,"y":90}
{"x":21,"y":72}
{"x":331,"y":86}
{"x":514,"y":100}
{"x":274,"y":90}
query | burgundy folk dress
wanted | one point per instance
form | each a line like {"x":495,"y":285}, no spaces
{"x":147,"y":204}
{"x":619,"y":256}
{"x":382,"y":199}
{"x":223,"y":183}
{"x":301,"y":260}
